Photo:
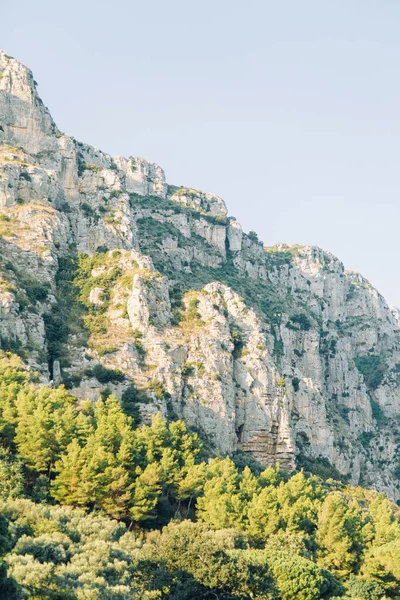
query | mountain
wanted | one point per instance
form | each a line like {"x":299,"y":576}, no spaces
{"x":113,"y":280}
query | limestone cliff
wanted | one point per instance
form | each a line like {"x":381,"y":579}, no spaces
{"x":110,"y":278}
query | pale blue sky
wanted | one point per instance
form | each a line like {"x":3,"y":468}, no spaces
{"x":287,"y":109}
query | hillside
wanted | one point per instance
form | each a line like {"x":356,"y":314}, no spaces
{"x":112,"y":280}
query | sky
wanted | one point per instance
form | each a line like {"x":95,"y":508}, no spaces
{"x":289,"y":110}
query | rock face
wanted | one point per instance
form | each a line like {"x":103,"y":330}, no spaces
{"x":277,"y":351}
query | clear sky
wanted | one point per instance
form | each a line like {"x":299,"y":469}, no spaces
{"x":287,"y":109}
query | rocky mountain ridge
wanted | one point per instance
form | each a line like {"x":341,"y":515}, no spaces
{"x":113,"y":280}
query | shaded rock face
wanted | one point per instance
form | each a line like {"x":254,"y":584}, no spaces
{"x":279,"y":352}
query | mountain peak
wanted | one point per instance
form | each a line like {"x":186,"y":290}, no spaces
{"x":24,"y":119}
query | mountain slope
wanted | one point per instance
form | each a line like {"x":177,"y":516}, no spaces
{"x":110,"y":278}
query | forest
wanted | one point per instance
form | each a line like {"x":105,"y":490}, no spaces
{"x":95,"y":505}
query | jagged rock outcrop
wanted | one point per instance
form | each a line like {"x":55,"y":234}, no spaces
{"x":275,"y":351}
{"x":201,"y":201}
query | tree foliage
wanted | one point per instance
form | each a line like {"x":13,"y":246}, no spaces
{"x":144,"y":515}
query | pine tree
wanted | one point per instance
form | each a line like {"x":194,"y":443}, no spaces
{"x":192,"y":482}
{"x":220,"y":503}
{"x":8,"y":587}
{"x":11,"y":475}
{"x":117,"y":500}
{"x":96,"y":475}
{"x":339,"y":535}
{"x":96,"y":472}
{"x":299,"y":500}
{"x":385,"y":525}
{"x":67,"y":487}
{"x":45,"y":426}
{"x":263,"y":513}
{"x":147,"y":490}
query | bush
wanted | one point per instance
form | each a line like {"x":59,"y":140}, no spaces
{"x":296,"y":383}
{"x":106,"y":350}
{"x":87,"y":209}
{"x":56,"y":328}
{"x":204,"y":555}
{"x":25,"y":176}
{"x":238,"y":343}
{"x":295,"y":577}
{"x":373,"y":368}
{"x":278,"y":347}
{"x":104,"y":375}
{"x":84,"y":166}
{"x":65,"y":207}
{"x":71,"y":381}
{"x":11,"y":345}
{"x":187,"y":369}
{"x":37,"y":291}
{"x":253,"y":236}
{"x":158,"y":389}
{"x":365,"y":438}
{"x":377,"y":412}
{"x":129,"y":400}
{"x":103,"y":250}
{"x":299,"y":321}
{"x":365,"y":590}
{"x":320,"y":466}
